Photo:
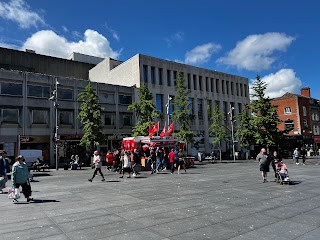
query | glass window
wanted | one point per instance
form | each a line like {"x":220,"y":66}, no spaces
{"x":305,"y":123}
{"x":207,"y":84}
{"x":65,"y":117}
{"x":11,"y":89}
{"x":245,"y":90}
{"x":200,"y":83}
{"x":38,"y":91}
{"x":287,"y":110}
{"x":304,"y":110}
{"x":217,"y":85}
{"x":109,"y":119}
{"x":240,"y":107}
{"x":222,"y":85}
{"x":125,"y":99}
{"x":168,"y":78}
{"x":212,"y":84}
{"x":200,"y":108}
{"x":191,"y":106}
{"x":232,"y":88}
{"x":10,"y":115}
{"x":237,"y":88}
{"x":153,"y":80}
{"x":39,"y":116}
{"x":159,"y":104}
{"x":189,"y":81}
{"x":125,"y":119}
{"x":227,"y":86}
{"x":160,"y":70}
{"x":209,"y":108}
{"x":65,"y":94}
{"x":175,"y":75}
{"x":316,"y":130}
{"x":106,"y":97}
{"x":145,"y":73}
{"x":289,"y":125}
{"x":241,"y":90}
{"x":194,"y":82}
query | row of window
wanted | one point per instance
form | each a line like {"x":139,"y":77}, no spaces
{"x":38,"y":116}
{"x":314,"y":116}
{"x":15,"y":89}
{"x":195,"y":81}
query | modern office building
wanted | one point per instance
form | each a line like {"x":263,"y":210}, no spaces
{"x":208,"y":89}
{"x":27,"y":119}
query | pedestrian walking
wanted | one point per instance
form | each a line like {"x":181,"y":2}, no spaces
{"x":126,"y":164}
{"x":172,"y":158}
{"x":264,"y":162}
{"x":136,"y":165}
{"x":274,"y":159}
{"x":20,"y":177}
{"x":97,"y":165}
{"x":296,"y":156}
{"x":181,"y":162}
{"x":4,"y":169}
{"x":303,"y":154}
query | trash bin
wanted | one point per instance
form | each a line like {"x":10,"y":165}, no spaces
{"x":74,"y":166}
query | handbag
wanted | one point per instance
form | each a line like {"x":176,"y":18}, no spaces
{"x":14,"y":193}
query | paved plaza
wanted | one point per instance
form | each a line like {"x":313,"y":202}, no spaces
{"x":210,"y":201}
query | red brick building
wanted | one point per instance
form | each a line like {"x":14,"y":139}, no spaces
{"x":300,"y":116}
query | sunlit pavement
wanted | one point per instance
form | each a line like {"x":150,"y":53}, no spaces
{"x":210,"y":201}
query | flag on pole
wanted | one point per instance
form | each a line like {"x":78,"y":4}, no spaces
{"x":150,"y":130}
{"x":155,"y":129}
{"x":170,"y":129}
{"x":163,"y":131}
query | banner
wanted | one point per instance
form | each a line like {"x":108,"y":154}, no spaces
{"x":170,"y":129}
{"x":162,"y":134}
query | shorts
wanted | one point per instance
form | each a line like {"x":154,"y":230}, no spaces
{"x":128,"y":170}
{"x":264,"y":168}
{"x":180,"y":163}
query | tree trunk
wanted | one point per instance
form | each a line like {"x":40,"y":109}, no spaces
{"x":220,"y":152}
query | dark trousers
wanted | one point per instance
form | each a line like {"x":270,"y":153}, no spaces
{"x":172,"y":167}
{"x":26,"y":188}
{"x":96,"y":171}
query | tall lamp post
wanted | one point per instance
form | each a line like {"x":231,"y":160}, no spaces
{"x":54,"y":98}
{"x":232,"y":133}
{"x":168,"y":108}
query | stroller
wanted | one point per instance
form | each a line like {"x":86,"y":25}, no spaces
{"x":282,"y":173}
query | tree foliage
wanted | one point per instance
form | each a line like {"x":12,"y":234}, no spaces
{"x":261,"y":127}
{"x":217,"y":129}
{"x":145,"y":111}
{"x":90,"y":118}
{"x":182,"y":110}
{"x":245,"y":131}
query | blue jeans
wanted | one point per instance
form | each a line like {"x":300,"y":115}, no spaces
{"x":158,"y":164}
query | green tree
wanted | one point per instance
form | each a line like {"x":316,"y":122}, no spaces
{"x":90,"y":118}
{"x":218,"y":130}
{"x":245,"y":131}
{"x":182,"y":111}
{"x":145,"y":111}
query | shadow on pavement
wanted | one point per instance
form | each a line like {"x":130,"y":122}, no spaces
{"x":43,"y":201}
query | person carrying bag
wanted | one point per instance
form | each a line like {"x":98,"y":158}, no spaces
{"x":20,"y":177}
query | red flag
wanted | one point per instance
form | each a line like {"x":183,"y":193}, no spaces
{"x":170,"y":129}
{"x":163,"y":131}
{"x":150,"y":130}
{"x":155,"y":129}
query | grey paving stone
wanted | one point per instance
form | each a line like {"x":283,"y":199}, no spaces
{"x":38,"y":232}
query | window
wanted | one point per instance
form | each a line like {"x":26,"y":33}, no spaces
{"x":153,"y":80}
{"x":125,"y":119}
{"x":189,"y":81}
{"x":145,"y":73}
{"x":175,"y":74}
{"x":159,"y":103}
{"x":227,"y":86}
{"x":200,"y":83}
{"x":109,"y":118}
{"x":316,"y":130}
{"x":168,"y":77}
{"x":212,"y":84}
{"x":11,"y":89}
{"x":305,"y":123}
{"x":222,"y":85}
{"x":217,"y":85}
{"x":207,"y":84}
{"x":38,"y":91}
{"x":209,"y":108}
{"x":240,"y":107}
{"x":160,"y":70}
{"x":288,"y":125}
{"x":237,"y":88}
{"x":194,"y":82}
{"x":304,"y":110}
{"x":65,"y":117}
{"x":39,"y":116}
{"x":225,"y":110}
{"x":65,"y":94}
{"x":10,"y":116}
{"x":106,"y":97}
{"x":241,"y":90}
{"x":200,"y":109}
{"x":287,"y":110}
{"x":232,"y":88}
{"x":245,"y":90}
{"x":125,"y":99}
{"x":191,"y":106}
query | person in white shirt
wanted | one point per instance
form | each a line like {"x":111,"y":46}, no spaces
{"x":126,"y":164}
{"x":97,"y":164}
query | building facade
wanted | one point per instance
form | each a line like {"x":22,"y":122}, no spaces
{"x":208,"y":89}
{"x":300,"y":117}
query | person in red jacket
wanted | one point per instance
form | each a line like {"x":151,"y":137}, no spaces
{"x":172,"y":157}
{"x":110,"y":159}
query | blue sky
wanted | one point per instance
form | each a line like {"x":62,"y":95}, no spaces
{"x":277,"y":39}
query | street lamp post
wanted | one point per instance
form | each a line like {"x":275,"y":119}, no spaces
{"x":232,"y":133}
{"x":54,"y":98}
{"x":168,"y":108}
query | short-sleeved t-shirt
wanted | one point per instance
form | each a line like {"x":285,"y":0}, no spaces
{"x":263,"y":158}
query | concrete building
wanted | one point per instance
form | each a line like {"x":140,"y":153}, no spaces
{"x":208,"y":89}
{"x":300,"y":116}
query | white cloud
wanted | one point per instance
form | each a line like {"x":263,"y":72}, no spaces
{"x":114,"y":33}
{"x":49,"y":43}
{"x":19,"y":11}
{"x":202,"y":53}
{"x":285,"y":80}
{"x":176,"y":37}
{"x":257,"y":52}
{"x":65,"y":29}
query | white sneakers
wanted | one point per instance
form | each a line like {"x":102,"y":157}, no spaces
{"x":297,"y":163}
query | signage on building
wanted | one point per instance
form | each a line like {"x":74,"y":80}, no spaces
{"x":116,"y":137}
{"x":316,"y":139}
{"x":34,"y":139}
